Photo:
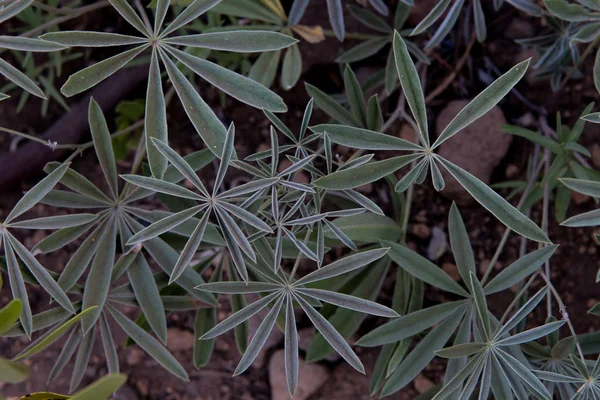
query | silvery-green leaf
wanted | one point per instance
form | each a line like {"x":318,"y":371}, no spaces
{"x":480,"y":305}
{"x":9,"y":315}
{"x":291,"y":347}
{"x":190,"y":248}
{"x":244,"y":89}
{"x":191,"y":12}
{"x":411,"y":85}
{"x":65,"y":199}
{"x":436,"y":176}
{"x":355,"y":96}
{"x":18,"y":290}
{"x":160,"y":186}
{"x":265,"y":67}
{"x":91,"y":76}
{"x":363,"y":50}
{"x":130,"y":16}
{"x":366,"y":228}
{"x":484,"y":102}
{"x":162,"y":8}
{"x":374,"y":113}
{"x":241,"y":41}
{"x":240,"y":316}
{"x":52,"y":337}
{"x":557,"y":378}
{"x":260,"y":337}
{"x":250,"y":187}
{"x":460,"y":243}
{"x":20,"y":79}
{"x":164,"y":225}
{"x":91,"y":39}
{"x":297,"y":165}
{"x":300,"y":245}
{"x":591,"y":218}
{"x":458,"y":380}
{"x":41,"y":274}
{"x":28,"y":44}
{"x":228,"y":224}
{"x":341,"y":235}
{"x":55,"y":222}
{"x":350,"y":302}
{"x":597,"y":73}
{"x":358,"y":138}
{"x":590,"y":188}
{"x":67,"y":351}
{"x":180,"y":164}
{"x":531,"y":334}
{"x":364,"y":201}
{"x":527,"y":377}
{"x":291,"y":69}
{"x":430,"y":18}
{"x":80,"y":184}
{"x":147,"y":296}
{"x":149,"y":344}
{"x":295,"y":15}
{"x":368,"y":18}
{"x":82,"y":359}
{"x":226,"y":156}
{"x":503,"y":210}
{"x":102,"y":388}
{"x":422,"y":355}
{"x":423,"y":269}
{"x":110,"y":349}
{"x":13,"y":372}
{"x":36,"y":193}
{"x":336,"y":18}
{"x":330,"y":334}
{"x":280,"y":125}
{"x":460,"y":350}
{"x":447,"y":24}
{"x":155,"y":118}
{"x":103,"y":145}
{"x":98,"y":279}
{"x":367,"y":173}
{"x":479,"y":17}
{"x":206,"y":318}
{"x":520,"y":269}
{"x":330,"y":106}
{"x":206,"y":123}
{"x":238,"y":287}
{"x":245,"y":216}
{"x":13,"y":9}
{"x":409,"y":325}
{"x":343,"y":265}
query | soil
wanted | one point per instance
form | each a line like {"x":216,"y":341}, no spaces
{"x":574,"y":265}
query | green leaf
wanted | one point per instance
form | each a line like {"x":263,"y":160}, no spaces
{"x":190,"y":248}
{"x":349,"y":302}
{"x":423,"y":269}
{"x":527,"y":377}
{"x":409,"y":325}
{"x":20,"y":79}
{"x":238,"y":287}
{"x":247,"y":9}
{"x":206,"y":123}
{"x":591,"y":218}
{"x":361,"y":175}
{"x":435,"y":13}
{"x":291,"y":346}
{"x":532,"y":137}
{"x":291,"y":69}
{"x":241,"y":41}
{"x":13,"y":9}
{"x":363,"y":50}
{"x":460,"y":243}
{"x":336,"y":18}
{"x":12,"y":372}
{"x":597,"y":72}
{"x":355,"y":96}
{"x":91,"y":39}
{"x":53,"y":336}
{"x":569,"y":11}
{"x":191,"y":12}
{"x":367,"y":228}
{"x":493,"y":202}
{"x":520,"y":269}
{"x":55,"y":222}
{"x":411,"y":84}
{"x":18,"y":290}
{"x":244,"y":89}
{"x":91,"y":76}
{"x":80,"y":184}
{"x":28,"y":44}
{"x":484,"y":102}
{"x":531,"y":334}
{"x":9,"y":315}
{"x":160,"y":186}
{"x":460,"y":350}
{"x":164,"y":225}
{"x":102,"y":388}
{"x":481,"y":305}
{"x":343,"y":265}
{"x":36,"y":193}
{"x":103,"y":145}
{"x":590,"y":188}
{"x":206,"y":319}
{"x":521,"y":313}
{"x":130,"y":16}
{"x":364,"y":139}
{"x":149,"y":344}
{"x":264,"y":68}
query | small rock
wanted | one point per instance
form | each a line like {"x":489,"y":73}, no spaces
{"x":422,"y":384}
{"x":421,"y":231}
{"x":312,"y":377}
{"x":519,"y":28}
{"x":451,"y":270}
{"x":438,"y":244}
{"x":179,"y":339}
{"x":134,"y":356}
{"x":512,"y":171}
{"x":579,"y":198}
{"x":142,"y":388}
{"x":596,"y":155}
{"x":478,"y":148}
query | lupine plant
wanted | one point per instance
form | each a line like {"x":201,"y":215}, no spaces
{"x":172,"y":234}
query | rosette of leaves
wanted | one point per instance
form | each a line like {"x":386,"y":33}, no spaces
{"x":282,"y":294}
{"x":490,"y":365}
{"x":567,"y":161}
{"x":423,"y":155}
{"x":400,"y":367}
{"x":374,"y":45}
{"x":115,"y":221}
{"x":164,"y":49}
{"x":21,"y":44}
{"x":583,"y":18}
{"x":451,"y":17}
